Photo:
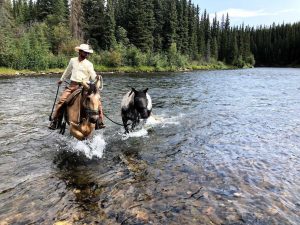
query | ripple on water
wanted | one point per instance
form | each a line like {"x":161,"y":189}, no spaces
{"x":221,"y":148}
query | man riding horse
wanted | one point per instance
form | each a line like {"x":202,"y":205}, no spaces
{"x":80,"y":70}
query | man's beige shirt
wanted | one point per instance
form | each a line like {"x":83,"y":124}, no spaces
{"x":79,"y":71}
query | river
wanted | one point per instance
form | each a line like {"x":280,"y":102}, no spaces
{"x":223,"y":147}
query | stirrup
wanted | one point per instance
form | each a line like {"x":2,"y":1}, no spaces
{"x":99,"y":126}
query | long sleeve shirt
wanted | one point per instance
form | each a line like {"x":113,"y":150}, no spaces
{"x":79,"y":71}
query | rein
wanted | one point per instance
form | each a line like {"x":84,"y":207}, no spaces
{"x":50,"y":116}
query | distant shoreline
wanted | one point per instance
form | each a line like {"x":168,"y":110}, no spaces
{"x":7,"y":72}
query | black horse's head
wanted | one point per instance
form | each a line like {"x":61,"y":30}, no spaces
{"x":142,"y":102}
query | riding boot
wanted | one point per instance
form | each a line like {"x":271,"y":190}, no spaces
{"x":99,"y":123}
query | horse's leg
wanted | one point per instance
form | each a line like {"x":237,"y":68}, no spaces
{"x":76,"y":133}
{"x":133,"y":125}
{"x":135,"y":121}
{"x":125,"y":125}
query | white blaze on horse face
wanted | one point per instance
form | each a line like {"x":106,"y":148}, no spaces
{"x":149,"y":105}
{"x":94,"y":101}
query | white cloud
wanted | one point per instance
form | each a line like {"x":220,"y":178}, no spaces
{"x":243,"y":13}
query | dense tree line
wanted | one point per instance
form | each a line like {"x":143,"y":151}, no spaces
{"x":42,"y":33}
{"x":276,"y":45}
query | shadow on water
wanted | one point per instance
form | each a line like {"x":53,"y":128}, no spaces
{"x":96,"y":184}
{"x":73,"y":170}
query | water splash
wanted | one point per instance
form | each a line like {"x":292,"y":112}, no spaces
{"x":90,"y":148}
{"x":137,"y":133}
{"x":155,"y":120}
{"x":152,"y":121}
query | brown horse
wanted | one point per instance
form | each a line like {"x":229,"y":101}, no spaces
{"x":83,"y":113}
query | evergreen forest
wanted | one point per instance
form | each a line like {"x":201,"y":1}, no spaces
{"x":172,"y":34}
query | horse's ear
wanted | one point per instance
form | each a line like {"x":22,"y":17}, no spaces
{"x":145,"y":91}
{"x":132,"y":91}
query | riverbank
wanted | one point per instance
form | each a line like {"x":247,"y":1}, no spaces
{"x":122,"y":69}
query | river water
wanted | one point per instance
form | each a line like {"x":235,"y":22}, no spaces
{"x":223,"y":147}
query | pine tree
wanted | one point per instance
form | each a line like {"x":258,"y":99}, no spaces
{"x":93,"y":25}
{"x":44,"y":8}
{"x":214,"y":38}
{"x":170,"y":24}
{"x":207,"y":33}
{"x":192,"y":31}
{"x":109,"y":39}
{"x":141,"y":24}
{"x":184,"y":33}
{"x":158,"y":25}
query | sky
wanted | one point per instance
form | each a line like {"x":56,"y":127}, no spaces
{"x":253,"y":12}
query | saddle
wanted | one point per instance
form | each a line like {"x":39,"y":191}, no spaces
{"x":70,"y":100}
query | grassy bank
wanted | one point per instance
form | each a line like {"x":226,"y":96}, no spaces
{"x":12,"y":72}
{"x":121,"y":69}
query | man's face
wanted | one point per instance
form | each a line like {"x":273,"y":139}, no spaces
{"x":83,"y":54}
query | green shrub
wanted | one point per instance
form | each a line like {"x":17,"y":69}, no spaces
{"x":115,"y":58}
{"x":134,"y":57}
{"x":96,"y":58}
{"x":59,"y":61}
{"x":68,"y":48}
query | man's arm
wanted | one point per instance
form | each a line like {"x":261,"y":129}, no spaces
{"x":92,"y":72}
{"x":68,"y":71}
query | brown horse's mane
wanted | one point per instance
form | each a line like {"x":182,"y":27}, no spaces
{"x":92,"y":89}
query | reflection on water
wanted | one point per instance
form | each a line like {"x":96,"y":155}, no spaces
{"x":222,"y":148}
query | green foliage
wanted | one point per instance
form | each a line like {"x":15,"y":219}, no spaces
{"x":59,"y":36}
{"x":31,"y":50}
{"x":67,"y":47}
{"x":158,"y":34}
{"x":121,"y":36}
{"x":57,"y":61}
{"x":157,"y":60}
{"x":140,"y":24}
{"x":112,"y":58}
{"x":109,"y":39}
{"x":135,"y":57}
{"x":175,"y":59}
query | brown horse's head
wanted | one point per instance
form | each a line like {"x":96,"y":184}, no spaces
{"x":91,"y":101}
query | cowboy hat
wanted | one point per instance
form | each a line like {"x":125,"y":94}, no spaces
{"x":84,"y":47}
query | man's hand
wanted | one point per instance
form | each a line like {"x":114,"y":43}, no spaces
{"x":59,"y":82}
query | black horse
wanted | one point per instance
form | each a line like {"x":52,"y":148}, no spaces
{"x":135,"y":105}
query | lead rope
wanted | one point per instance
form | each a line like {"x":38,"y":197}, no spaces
{"x":112,"y":120}
{"x":101,"y":82}
{"x":101,"y":88}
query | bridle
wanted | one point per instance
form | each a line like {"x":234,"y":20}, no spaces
{"x":87,"y":111}
{"x":90,"y":112}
